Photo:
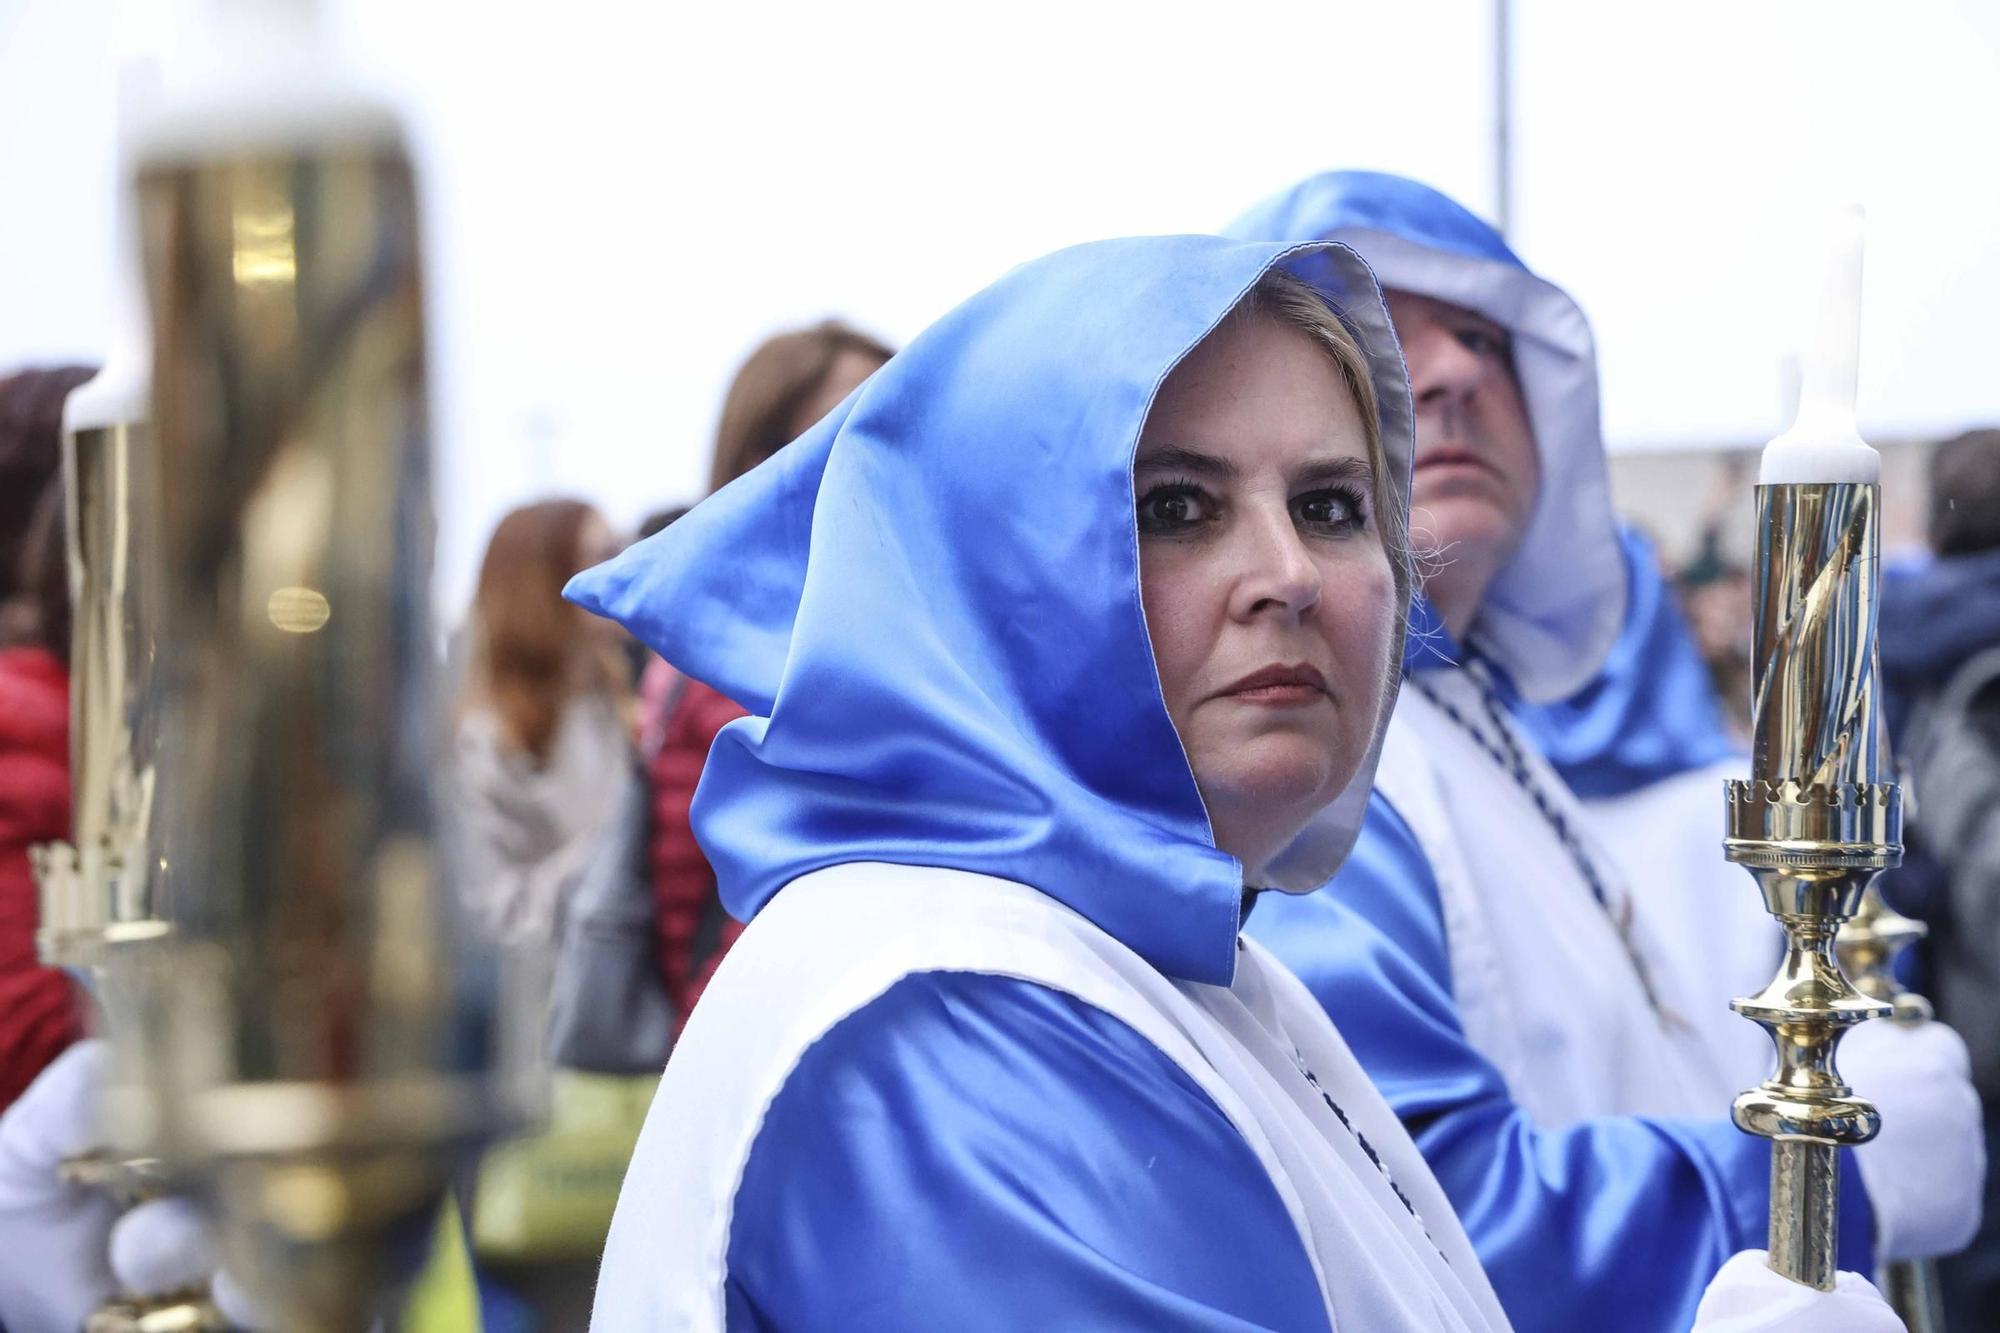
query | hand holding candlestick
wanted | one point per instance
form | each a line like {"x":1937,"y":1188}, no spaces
{"x":1867,"y":947}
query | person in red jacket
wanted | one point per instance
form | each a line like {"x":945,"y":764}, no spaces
{"x":41,"y":1012}
{"x":787,"y":384}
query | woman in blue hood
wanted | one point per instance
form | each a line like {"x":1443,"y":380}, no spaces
{"x":992,"y":1053}
{"x":1500,"y":975}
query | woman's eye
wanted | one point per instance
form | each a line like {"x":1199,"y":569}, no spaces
{"x":1330,"y":511}
{"x":1174,"y":508}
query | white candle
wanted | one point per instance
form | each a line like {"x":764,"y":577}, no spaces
{"x":1823,"y":444}
{"x":118,"y":394}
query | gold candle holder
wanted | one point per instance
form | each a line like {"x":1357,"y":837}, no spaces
{"x":100,"y":895}
{"x":1814,"y":824}
{"x":319,"y":1050}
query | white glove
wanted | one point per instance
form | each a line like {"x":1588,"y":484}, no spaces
{"x":166,"y":1246}
{"x":53,"y":1265}
{"x":1926,"y":1170}
{"x":1747,"y":1297}
{"x":64,"y":1249}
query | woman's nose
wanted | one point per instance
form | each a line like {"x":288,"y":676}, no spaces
{"x":1279,"y":574}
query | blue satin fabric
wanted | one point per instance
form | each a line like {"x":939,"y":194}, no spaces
{"x":930,"y":605}
{"x":1651,"y":713}
{"x":1614,"y":1223}
{"x":1004,"y":1157}
{"x":1375,"y":201}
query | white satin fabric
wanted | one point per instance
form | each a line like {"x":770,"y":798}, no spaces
{"x":1703,"y":910}
{"x":1578,"y":1004}
{"x":836,"y":939}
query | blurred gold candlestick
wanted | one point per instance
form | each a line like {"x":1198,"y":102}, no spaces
{"x":321,"y":1047}
{"x":100,"y":896}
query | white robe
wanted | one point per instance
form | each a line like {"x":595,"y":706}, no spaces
{"x":831,"y":942}
{"x":1707,"y":914}
{"x":1547,"y":979}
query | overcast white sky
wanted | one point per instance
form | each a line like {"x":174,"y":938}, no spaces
{"x":625,"y":197}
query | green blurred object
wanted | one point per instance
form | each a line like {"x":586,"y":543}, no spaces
{"x":549,"y":1197}
{"x":446,"y":1299}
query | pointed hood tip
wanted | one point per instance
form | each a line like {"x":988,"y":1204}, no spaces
{"x":585,"y":590}
{"x":835,"y":593}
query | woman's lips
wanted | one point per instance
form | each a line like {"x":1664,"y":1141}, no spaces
{"x":1280,"y":686}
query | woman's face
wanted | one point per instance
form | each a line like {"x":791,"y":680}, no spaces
{"x":1267,"y":591}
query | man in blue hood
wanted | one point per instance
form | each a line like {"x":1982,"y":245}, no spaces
{"x":1515,"y":1005}
{"x":1941,"y":661}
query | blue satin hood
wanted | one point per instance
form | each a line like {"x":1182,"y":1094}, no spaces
{"x":1555,"y":609}
{"x":1652,"y":712}
{"x":929,"y":603}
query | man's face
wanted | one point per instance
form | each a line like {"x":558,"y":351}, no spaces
{"x":1477,"y":470}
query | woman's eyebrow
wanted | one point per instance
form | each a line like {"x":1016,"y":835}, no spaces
{"x":1176,"y":459}
{"x":1346,"y":467}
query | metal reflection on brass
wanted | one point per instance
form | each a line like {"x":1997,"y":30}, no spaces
{"x":264,"y":253}
{"x":101,"y":888}
{"x":298,"y":610}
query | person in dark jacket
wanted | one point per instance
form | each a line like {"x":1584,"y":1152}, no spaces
{"x":31,"y":407}
{"x":1941,"y":665}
